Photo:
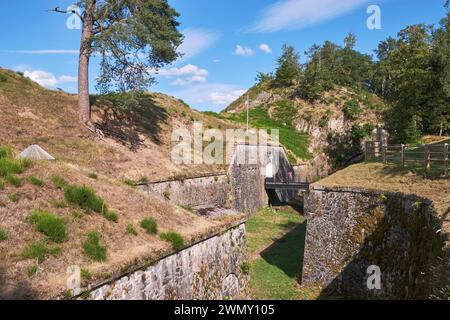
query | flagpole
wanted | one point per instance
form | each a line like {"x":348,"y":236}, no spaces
{"x":247,"y":104}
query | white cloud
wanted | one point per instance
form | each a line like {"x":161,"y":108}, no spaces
{"x":185,"y":75}
{"x":243,"y":51}
{"x":215,"y":95}
{"x":48,"y":79}
{"x":297,"y":14}
{"x":196,"y":41}
{"x":67,"y":79}
{"x":265,"y":48}
{"x":51,"y":51}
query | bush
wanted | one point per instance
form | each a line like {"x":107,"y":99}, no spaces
{"x":245,"y":268}
{"x":10,"y":166}
{"x":3,"y":78}
{"x":131,"y":230}
{"x":111,"y":216}
{"x":86,"y":274}
{"x":130,"y":183}
{"x":59,"y":204}
{"x":150,"y":225}
{"x":93,"y":176}
{"x":15,"y":197}
{"x":39,"y":250}
{"x":49,"y":224}
{"x":92,"y":247}
{"x":174,"y":238}
{"x":3,"y":235}
{"x":59,"y":182}
{"x":85,"y":198}
{"x":2,"y":184}
{"x":31,"y":271}
{"x":187,"y":208}
{"x":352,"y":109}
{"x":15,"y":181}
{"x":36,"y":181}
{"x":5,"y":152}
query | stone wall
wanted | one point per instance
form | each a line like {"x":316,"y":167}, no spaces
{"x":192,"y":192}
{"x":211,"y":269}
{"x":349,"y":230}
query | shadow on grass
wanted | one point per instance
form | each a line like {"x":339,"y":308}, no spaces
{"x":18,"y":290}
{"x":287,"y":252}
{"x":125,"y":117}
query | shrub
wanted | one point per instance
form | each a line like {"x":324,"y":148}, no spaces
{"x":39,"y":250}
{"x":49,"y":224}
{"x":15,"y":181}
{"x":15,"y":197}
{"x":111,"y":216}
{"x":31,"y":271}
{"x":174,"y":238}
{"x":93,"y":176}
{"x":5,"y":152}
{"x":131,"y":230}
{"x":3,"y":235}
{"x":10,"y":166}
{"x":187,"y":208}
{"x":245,"y":268}
{"x":86,"y":274}
{"x":36,"y":181}
{"x":166,"y":195}
{"x":3,"y":78}
{"x":2,"y":184}
{"x":352,"y":109}
{"x":85,"y":198}
{"x":93,"y":248}
{"x":59,"y":182}
{"x":59,"y":204}
{"x":150,"y":225}
{"x":130,"y":183}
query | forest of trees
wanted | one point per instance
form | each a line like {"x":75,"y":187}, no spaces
{"x":411,"y":73}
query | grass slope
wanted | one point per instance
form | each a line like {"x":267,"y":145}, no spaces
{"x":276,"y":245}
{"x":137,"y":143}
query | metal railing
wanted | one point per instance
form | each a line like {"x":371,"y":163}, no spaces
{"x":430,"y":159}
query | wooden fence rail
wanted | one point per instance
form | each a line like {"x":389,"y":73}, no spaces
{"x":431,"y":159}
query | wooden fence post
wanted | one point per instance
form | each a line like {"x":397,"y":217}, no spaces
{"x":402,"y":155}
{"x":426,"y":162}
{"x":446,"y":160}
{"x":383,"y":152}
{"x":365,"y":151}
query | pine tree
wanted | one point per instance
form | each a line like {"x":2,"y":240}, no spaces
{"x":289,"y":69}
{"x":133,"y":37}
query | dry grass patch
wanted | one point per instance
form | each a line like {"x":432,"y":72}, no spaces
{"x":391,"y":178}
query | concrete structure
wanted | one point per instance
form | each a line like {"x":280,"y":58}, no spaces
{"x":249,"y":169}
{"x":35,"y":152}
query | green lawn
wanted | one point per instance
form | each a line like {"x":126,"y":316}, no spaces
{"x":276,"y":244}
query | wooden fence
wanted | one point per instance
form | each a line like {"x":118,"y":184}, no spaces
{"x":430,"y":159}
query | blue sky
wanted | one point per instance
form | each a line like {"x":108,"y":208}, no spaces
{"x":227,"y":41}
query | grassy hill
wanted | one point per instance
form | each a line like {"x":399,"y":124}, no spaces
{"x":83,"y":209}
{"x":329,"y":127}
{"x":137,"y":140}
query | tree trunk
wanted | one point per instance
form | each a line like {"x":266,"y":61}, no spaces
{"x":84,"y":106}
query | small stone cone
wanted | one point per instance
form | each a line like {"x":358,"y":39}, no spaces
{"x":35,"y":152}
